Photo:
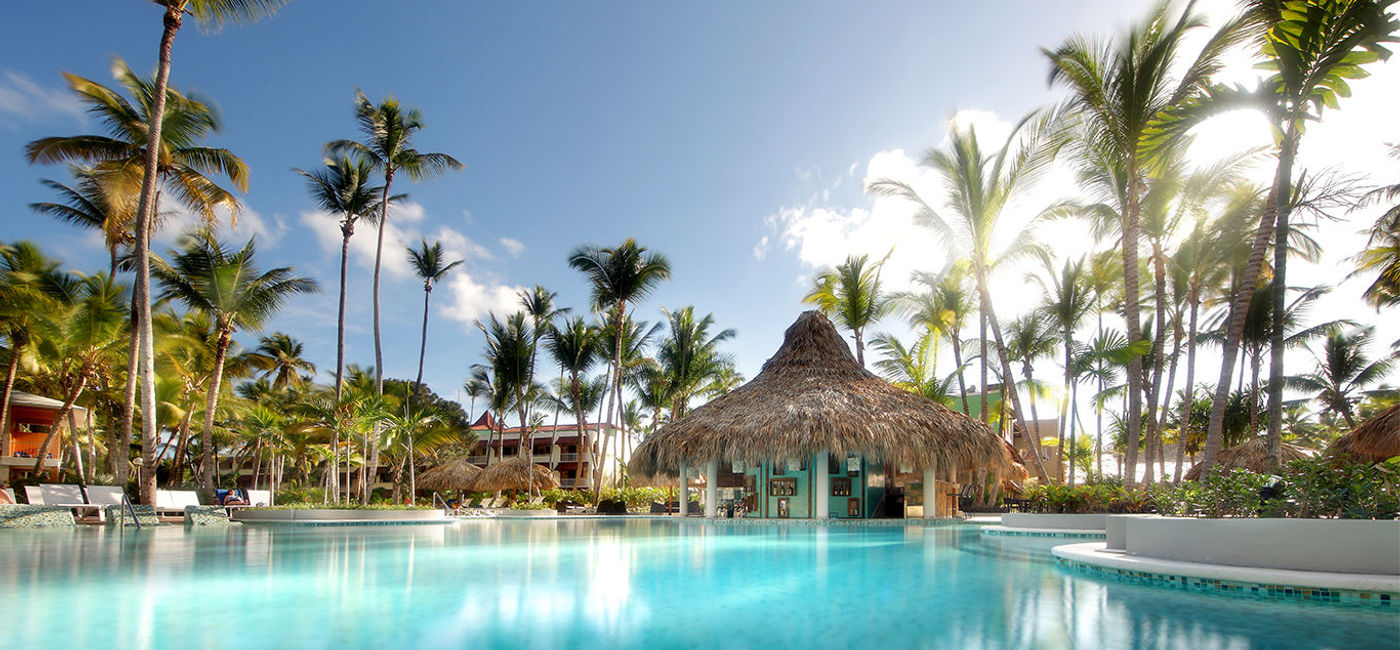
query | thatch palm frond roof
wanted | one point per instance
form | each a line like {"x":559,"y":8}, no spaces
{"x":1372,"y":441}
{"x":455,"y":474}
{"x":812,"y":396}
{"x":1252,"y":455}
{"x":514,"y":474}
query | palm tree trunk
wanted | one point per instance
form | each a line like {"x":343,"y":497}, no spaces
{"x":1274,"y":441}
{"x":1064,"y":410}
{"x":11,"y":369}
{"x":211,"y":402}
{"x":957,"y":360}
{"x":1133,"y":324}
{"x":57,"y":423}
{"x":1186,"y":407}
{"x":983,"y":412}
{"x":1159,"y":344}
{"x":145,"y":217}
{"x":346,"y":232}
{"x":1161,"y":424}
{"x":1008,"y":385}
{"x":860,"y":347}
{"x":133,"y":382}
{"x":1239,"y":307}
{"x":378,"y":258}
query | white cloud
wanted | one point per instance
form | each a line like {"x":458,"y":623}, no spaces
{"x":398,"y":234}
{"x":249,"y":223}
{"x":471,"y":298}
{"x":23,"y":100}
{"x":512,"y":246}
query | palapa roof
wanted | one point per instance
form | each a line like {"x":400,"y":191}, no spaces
{"x":1251,"y":455}
{"x":514,"y":474}
{"x":812,"y":396}
{"x":21,"y":398}
{"x":455,"y":474}
{"x":1374,"y":440}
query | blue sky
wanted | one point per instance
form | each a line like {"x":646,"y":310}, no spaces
{"x":732,"y":136}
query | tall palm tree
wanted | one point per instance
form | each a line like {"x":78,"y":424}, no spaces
{"x":481,"y":385}
{"x":575,"y":348}
{"x":228,"y":285}
{"x":1068,"y":303}
{"x":1029,"y":339}
{"x":851,"y":294}
{"x":431,"y":266}
{"x":388,"y":131}
{"x":285,"y":363}
{"x":180,"y":164}
{"x":619,"y":278}
{"x":945,"y":307}
{"x":1124,"y":93}
{"x":979,"y":185}
{"x":539,"y":305}
{"x":343,"y":189}
{"x":1312,"y":48}
{"x":100,"y":200}
{"x":1343,"y":372}
{"x":23,"y":301}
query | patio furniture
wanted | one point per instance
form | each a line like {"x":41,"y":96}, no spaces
{"x":170,"y":502}
{"x":34,"y":495}
{"x":259,"y":497}
{"x":69,"y":496}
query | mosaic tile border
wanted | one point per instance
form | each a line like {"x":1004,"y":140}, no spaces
{"x":1258,"y":591}
{"x":871,"y":523}
{"x":310,"y":523}
{"x":1008,"y":532}
{"x":24,"y":515}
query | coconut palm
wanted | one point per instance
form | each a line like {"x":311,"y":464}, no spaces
{"x":99,"y":200}
{"x":431,"y":266}
{"x":619,"y":278}
{"x":284,"y":361}
{"x":180,"y":164}
{"x":945,"y":306}
{"x":689,"y":356}
{"x":851,"y":294}
{"x":1124,"y":93}
{"x":979,"y":185}
{"x":1382,"y":254}
{"x":388,"y":131}
{"x":539,"y":305}
{"x":574,"y":347}
{"x":1068,"y":303}
{"x":24,"y":271}
{"x":1028,"y":339}
{"x":226,"y":284}
{"x":508,"y":353}
{"x":1312,"y":48}
{"x":79,"y":337}
{"x":1343,"y":372}
{"x":343,"y":189}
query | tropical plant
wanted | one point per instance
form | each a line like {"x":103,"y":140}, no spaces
{"x":388,"y":130}
{"x":851,"y":294}
{"x":283,"y":356}
{"x":1344,"y":372}
{"x":228,"y":285}
{"x":689,"y":356}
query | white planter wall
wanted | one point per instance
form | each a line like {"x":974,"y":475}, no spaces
{"x":1053,"y":521}
{"x":1334,"y":545}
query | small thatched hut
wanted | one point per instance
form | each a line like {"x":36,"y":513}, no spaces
{"x":1251,"y":455}
{"x":455,"y":474}
{"x":1374,"y":440}
{"x":815,"y":434}
{"x":514,"y":474}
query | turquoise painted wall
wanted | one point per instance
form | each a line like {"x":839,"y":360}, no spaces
{"x":800,"y":506}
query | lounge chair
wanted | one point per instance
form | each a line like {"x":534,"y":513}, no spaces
{"x":10,"y":493}
{"x":34,"y":495}
{"x":70,"y":496}
{"x":259,"y":497}
{"x":105,"y":495}
{"x":173,"y":502}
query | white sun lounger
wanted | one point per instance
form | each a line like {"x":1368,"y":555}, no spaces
{"x":104,"y":495}
{"x":260,"y":497}
{"x":69,"y":496}
{"x":34,"y":494}
{"x":174,"y":501}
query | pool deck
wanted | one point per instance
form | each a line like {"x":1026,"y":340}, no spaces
{"x":1348,"y":588}
{"x":1041,"y":532}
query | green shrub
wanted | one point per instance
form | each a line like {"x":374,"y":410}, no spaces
{"x":1096,"y":498}
{"x":297,"y":494}
{"x":1317,"y":488}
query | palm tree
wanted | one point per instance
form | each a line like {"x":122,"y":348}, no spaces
{"x":1125,"y":93}
{"x":619,"y":277}
{"x":979,"y":185}
{"x":575,"y":348}
{"x":538,"y":304}
{"x":23,"y":301}
{"x":1029,"y":339}
{"x":851,"y":294}
{"x":80,"y":336}
{"x":99,"y":200}
{"x":945,"y":307}
{"x":431,"y":266}
{"x":1344,"y":372}
{"x":1068,"y":302}
{"x":1382,"y":253}
{"x":284,"y":360}
{"x":1312,"y":49}
{"x":388,"y":130}
{"x":180,"y":164}
{"x":689,"y":356}
{"x":343,"y":189}
{"x":226,"y":284}
{"x":508,"y":353}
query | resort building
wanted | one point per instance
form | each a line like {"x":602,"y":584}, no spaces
{"x":815,"y":435}
{"x":29,"y":421}
{"x":558,"y":447}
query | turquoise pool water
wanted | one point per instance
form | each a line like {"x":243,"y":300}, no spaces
{"x":602,"y":584}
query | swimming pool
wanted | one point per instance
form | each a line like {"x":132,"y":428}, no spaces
{"x":611,"y":583}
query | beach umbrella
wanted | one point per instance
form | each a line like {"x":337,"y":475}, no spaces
{"x":514,"y":474}
{"x":1252,"y":455}
{"x":1374,"y":440}
{"x":455,"y":474}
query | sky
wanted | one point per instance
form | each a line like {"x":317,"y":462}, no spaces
{"x":732,"y":137}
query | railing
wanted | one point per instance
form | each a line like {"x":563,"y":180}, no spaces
{"x":126,"y":505}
